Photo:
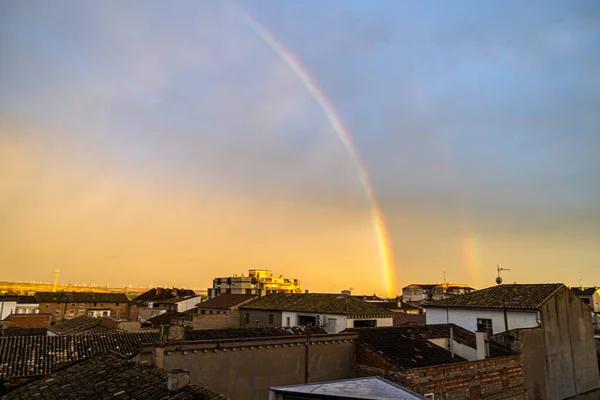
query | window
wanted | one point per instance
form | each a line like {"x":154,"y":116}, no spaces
{"x":202,"y":311}
{"x":305,"y":320}
{"x":288,"y":321}
{"x":257,"y":322}
{"x":485,"y":325}
{"x":105,"y":313}
{"x":365,"y":323}
{"x":117,"y":304}
{"x":247,"y":319}
{"x":71,"y":312}
{"x":587,"y":301}
{"x":210,"y":312}
{"x":248,"y":291}
{"x":270,"y":319}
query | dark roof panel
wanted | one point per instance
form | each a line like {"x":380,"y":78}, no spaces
{"x":242,"y":333}
{"x":76,"y":324}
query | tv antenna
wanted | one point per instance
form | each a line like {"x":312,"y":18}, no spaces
{"x":499,"y":279}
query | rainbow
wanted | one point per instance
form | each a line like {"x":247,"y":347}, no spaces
{"x":381,"y":233}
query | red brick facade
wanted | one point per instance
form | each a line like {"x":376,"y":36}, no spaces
{"x":498,"y":378}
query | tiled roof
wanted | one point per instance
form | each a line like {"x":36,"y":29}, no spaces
{"x":240,"y":333}
{"x":510,"y":296}
{"x":177,"y":299}
{"x":367,"y":298}
{"x":585,"y":291}
{"x":393,"y":305}
{"x":29,"y":320}
{"x":410,"y":347}
{"x":225,"y":301}
{"x":166,"y":318}
{"x":26,"y":300}
{"x":107,"y":376}
{"x":402,"y":319}
{"x":159,"y":294}
{"x":80,"y":297}
{"x":39,"y":355}
{"x":318,"y":303}
{"x":16,"y":331}
{"x":73,"y":325}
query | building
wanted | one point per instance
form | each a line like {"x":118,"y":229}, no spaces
{"x":67,"y":305}
{"x":244,"y":363}
{"x":590,"y":296}
{"x":440,"y":361}
{"x":333,"y":312}
{"x":220,"y":312}
{"x":258,"y":282}
{"x":547,"y":323}
{"x":418,"y":293}
{"x":161,"y":300}
{"x":372,"y":387}
{"x":109,"y":375}
{"x":25,"y":324}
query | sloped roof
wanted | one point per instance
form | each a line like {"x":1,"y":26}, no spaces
{"x":318,"y":303}
{"x":107,"y":376}
{"x":510,"y":296}
{"x":409,"y":347}
{"x":80,"y":297}
{"x":29,"y":320}
{"x":225,"y":301}
{"x":241,"y":333}
{"x":160,"y":294}
{"x":372,"y":387}
{"x":39,"y":355}
{"x":16,"y":331}
{"x":585,"y":291}
{"x":166,"y":318}
{"x":76,"y":324}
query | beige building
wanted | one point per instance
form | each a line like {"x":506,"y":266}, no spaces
{"x":258,"y":282}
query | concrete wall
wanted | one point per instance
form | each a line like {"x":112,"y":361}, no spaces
{"x":259,"y":317}
{"x":467,"y":318}
{"x":571,"y":365}
{"x":245,"y":369}
{"x":7,"y":308}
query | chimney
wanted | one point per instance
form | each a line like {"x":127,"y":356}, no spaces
{"x":481,"y":338}
{"x":306,"y":291}
{"x":177,"y":379}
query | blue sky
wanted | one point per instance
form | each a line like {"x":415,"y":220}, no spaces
{"x":472,"y":118}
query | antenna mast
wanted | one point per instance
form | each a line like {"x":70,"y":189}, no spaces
{"x":499,"y":279}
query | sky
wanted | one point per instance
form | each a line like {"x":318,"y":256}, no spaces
{"x":155,"y":143}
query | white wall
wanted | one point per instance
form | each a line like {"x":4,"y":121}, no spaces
{"x":467,"y":318}
{"x":340,"y":320}
{"x":7,"y":308}
{"x":188,"y":304}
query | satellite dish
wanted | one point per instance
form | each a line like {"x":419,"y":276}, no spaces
{"x":498,"y":280}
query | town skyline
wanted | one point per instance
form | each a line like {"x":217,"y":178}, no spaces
{"x":141,"y":140}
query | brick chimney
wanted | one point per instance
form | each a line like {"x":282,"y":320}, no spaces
{"x":177,"y":379}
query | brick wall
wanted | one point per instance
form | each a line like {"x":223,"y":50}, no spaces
{"x":498,"y":378}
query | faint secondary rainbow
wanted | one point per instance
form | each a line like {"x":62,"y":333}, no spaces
{"x":383,"y":242}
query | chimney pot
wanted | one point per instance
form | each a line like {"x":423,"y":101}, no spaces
{"x":177,"y":379}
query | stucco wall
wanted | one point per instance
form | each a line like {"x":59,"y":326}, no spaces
{"x":571,"y":363}
{"x":467,"y":318}
{"x":217,"y":321}
{"x":246,"y":369}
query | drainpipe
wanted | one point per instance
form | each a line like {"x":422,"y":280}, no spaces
{"x":505,"y":317}
{"x":306,"y":371}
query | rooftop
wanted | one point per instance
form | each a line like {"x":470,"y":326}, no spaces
{"x":40,"y":355}
{"x":106,"y":376}
{"x":73,"y":325}
{"x":510,"y":296}
{"x":159,"y":294}
{"x":28,"y":320}
{"x":410,"y":347}
{"x":226,"y":301}
{"x":318,"y":303}
{"x":587,"y":291}
{"x":80,"y":297}
{"x":241,"y":333}
{"x":373,"y":387}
